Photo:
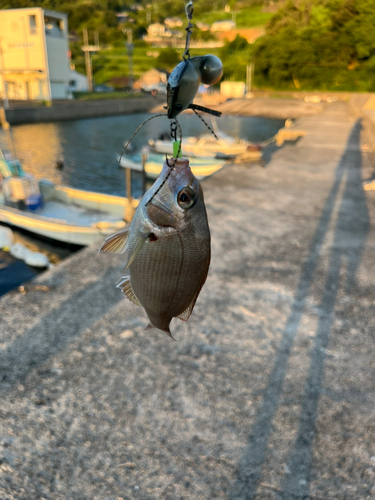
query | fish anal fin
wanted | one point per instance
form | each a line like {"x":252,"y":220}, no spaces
{"x":116,"y":243}
{"x":126,"y":287}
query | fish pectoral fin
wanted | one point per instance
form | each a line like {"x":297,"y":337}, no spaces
{"x":126,"y":287}
{"x":116,"y":243}
{"x":142,"y":237}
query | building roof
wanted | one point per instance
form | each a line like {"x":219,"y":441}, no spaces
{"x":47,"y":12}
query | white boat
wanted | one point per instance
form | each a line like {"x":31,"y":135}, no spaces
{"x":201,"y":167}
{"x":206,"y":145}
{"x":58,"y":212}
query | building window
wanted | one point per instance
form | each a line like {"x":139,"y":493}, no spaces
{"x":54,"y":27}
{"x":32,"y":23}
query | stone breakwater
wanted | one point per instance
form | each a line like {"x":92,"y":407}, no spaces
{"x":268,"y":391}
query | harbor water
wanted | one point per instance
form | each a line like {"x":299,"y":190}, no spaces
{"x":88,"y":149}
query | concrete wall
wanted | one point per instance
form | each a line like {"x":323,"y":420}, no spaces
{"x":75,"y":109}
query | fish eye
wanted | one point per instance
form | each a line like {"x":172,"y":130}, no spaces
{"x":178,"y":105}
{"x":186,"y":198}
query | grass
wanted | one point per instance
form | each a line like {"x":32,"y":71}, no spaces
{"x":245,"y":18}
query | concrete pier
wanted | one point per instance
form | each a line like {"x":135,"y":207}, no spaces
{"x":268,"y":392}
{"x":74,"y":110}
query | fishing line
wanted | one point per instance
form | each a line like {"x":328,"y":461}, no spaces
{"x":189,"y":9}
{"x":207,"y":125}
{"x":171,"y":167}
{"x":136,"y":132}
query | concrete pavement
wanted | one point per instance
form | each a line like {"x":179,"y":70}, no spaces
{"x":268,"y":392}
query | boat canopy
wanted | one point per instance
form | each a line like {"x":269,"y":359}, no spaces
{"x":11,"y":168}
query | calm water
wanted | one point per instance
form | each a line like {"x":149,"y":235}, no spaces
{"x":88,"y":148}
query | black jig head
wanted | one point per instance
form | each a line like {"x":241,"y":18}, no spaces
{"x":184,"y":81}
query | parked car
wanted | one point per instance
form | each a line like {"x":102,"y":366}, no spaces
{"x":103,"y":88}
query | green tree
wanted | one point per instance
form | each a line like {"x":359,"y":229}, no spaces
{"x":313,"y":44}
{"x":168,"y":59}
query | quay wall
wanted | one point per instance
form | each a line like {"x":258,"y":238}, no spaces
{"x":71,"y":110}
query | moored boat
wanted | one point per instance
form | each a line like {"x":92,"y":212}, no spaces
{"x":225,"y":147}
{"x":201,"y":167}
{"x":58,"y":212}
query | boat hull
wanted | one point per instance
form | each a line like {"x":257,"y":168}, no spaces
{"x":56,"y":229}
{"x":72,"y":216}
{"x":209,"y":148}
{"x":201,"y":167}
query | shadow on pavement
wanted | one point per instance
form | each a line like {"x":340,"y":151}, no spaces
{"x":350,"y":234}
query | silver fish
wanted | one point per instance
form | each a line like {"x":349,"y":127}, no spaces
{"x":167,"y":247}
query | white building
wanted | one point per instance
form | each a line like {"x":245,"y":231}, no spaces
{"x":158,"y":29}
{"x":77,"y":82}
{"x":34,"y":54}
{"x":223,"y":25}
{"x":173,"y":22}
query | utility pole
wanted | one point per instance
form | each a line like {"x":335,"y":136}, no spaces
{"x":87,"y":49}
{"x":130,"y":50}
{"x":249,"y":76}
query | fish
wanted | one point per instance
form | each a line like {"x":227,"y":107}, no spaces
{"x":167,"y":247}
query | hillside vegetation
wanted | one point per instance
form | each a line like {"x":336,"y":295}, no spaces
{"x":318,"y":44}
{"x":100,"y":16}
{"x":308,"y":45}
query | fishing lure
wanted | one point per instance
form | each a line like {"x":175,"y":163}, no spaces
{"x":183,"y":85}
{"x":184,"y":81}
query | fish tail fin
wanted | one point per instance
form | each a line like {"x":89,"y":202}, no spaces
{"x":150,"y":326}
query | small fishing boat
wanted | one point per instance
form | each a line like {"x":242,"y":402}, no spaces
{"x":225,"y":147}
{"x":201,"y":167}
{"x":58,"y":212}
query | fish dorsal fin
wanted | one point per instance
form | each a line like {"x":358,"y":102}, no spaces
{"x":185,"y":315}
{"x":126,"y":287}
{"x":116,"y":243}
